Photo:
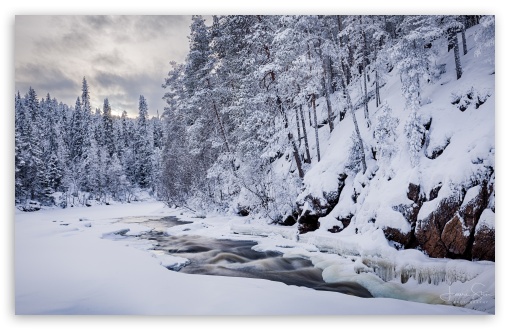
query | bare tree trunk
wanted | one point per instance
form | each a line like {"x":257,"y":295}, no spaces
{"x":316,"y":128}
{"x":464,"y":45}
{"x":365,"y":63}
{"x":339,"y":22}
{"x":297,"y":158}
{"x":310,"y":116}
{"x":455,"y":41}
{"x":326,"y":82}
{"x":221,"y":127}
{"x":295,"y":151}
{"x":377,"y":87}
{"x":298,"y":126}
{"x":307,"y":149}
{"x":327,"y":89}
{"x":220,"y":124}
{"x":356,"y":128}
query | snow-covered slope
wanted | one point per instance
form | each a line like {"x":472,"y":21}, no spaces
{"x":434,"y":204}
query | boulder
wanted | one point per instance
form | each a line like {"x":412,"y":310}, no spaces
{"x":308,"y":222}
{"x":455,"y":235}
{"x":475,"y":202}
{"x":395,"y":235}
{"x":413,"y":192}
{"x":289,"y":221}
{"x":458,"y":232}
{"x":429,"y":229}
{"x":484,"y":245}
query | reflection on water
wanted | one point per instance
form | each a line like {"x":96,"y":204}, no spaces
{"x":237,"y":258}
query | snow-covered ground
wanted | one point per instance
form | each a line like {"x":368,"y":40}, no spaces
{"x":65,"y":264}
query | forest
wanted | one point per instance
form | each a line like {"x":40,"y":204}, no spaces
{"x":248,"y":114}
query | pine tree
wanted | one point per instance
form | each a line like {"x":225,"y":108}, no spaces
{"x":385,"y":133}
{"x":452,"y":26}
{"x":143,"y":146}
{"x":485,"y":37}
{"x":413,"y":57}
{"x":108,"y":138}
{"x":414,"y":132}
{"x":32,"y":153}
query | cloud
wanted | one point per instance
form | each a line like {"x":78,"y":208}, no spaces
{"x":124,"y":90}
{"x":44,"y":79}
{"x":113,"y":58}
{"x":122,"y":57}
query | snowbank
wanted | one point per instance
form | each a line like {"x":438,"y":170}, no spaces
{"x":69,"y":269}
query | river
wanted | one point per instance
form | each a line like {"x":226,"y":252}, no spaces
{"x":223,"y":257}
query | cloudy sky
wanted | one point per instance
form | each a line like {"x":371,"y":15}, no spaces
{"x":122,"y":57}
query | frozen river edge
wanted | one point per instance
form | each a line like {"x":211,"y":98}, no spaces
{"x":62,"y":266}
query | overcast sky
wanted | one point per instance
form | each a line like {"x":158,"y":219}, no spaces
{"x":122,"y":57}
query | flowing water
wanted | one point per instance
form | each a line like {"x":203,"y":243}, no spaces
{"x":223,"y":257}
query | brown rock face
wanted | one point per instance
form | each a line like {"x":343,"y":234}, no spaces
{"x":413,"y":192}
{"x":308,"y":222}
{"x":484,"y":246}
{"x":396,"y":235}
{"x":471,"y":211}
{"x":458,"y":232}
{"x":428,"y":230}
{"x":409,"y":211}
{"x":455,"y":236}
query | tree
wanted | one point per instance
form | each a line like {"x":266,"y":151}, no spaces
{"x":413,"y":55}
{"x":143,"y":146}
{"x":452,"y":26}
{"x":414,"y":132}
{"x":385,"y":133}
{"x":485,"y":37}
{"x":108,"y":137}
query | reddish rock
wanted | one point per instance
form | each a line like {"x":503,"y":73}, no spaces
{"x":472,"y":210}
{"x":395,"y":235}
{"x":484,"y":246}
{"x":428,"y":230}
{"x":456,"y":236}
{"x":429,"y":240}
{"x":434,"y":192}
{"x":409,"y":211}
{"x":458,"y":231}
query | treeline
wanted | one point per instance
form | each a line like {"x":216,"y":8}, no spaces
{"x":247,"y":97}
{"x":247,"y":113}
{"x":70,"y":156}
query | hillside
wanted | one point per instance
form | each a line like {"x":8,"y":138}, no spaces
{"x":443,"y":204}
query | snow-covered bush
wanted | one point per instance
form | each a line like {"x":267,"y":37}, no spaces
{"x":414,"y":131}
{"x":354,"y":160}
{"x":385,"y":133}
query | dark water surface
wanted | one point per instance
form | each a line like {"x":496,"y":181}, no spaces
{"x":223,"y":257}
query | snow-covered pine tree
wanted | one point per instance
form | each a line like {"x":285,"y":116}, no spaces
{"x":415,"y":133}
{"x":451,"y":26}
{"x":413,"y":55}
{"x":107,"y":127}
{"x":485,"y":37}
{"x":143,"y":146}
{"x":32,"y":171}
{"x":385,"y":133}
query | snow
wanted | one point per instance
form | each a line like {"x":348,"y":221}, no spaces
{"x":65,"y":265}
{"x":487,"y":220}
{"x":471,"y":194}
{"x":466,"y":138}
{"x":72,"y":270}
